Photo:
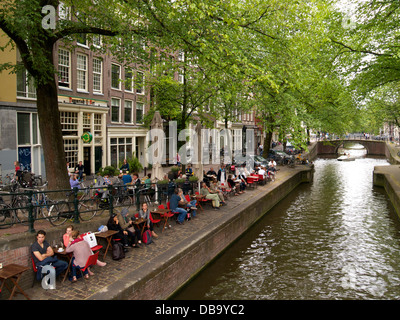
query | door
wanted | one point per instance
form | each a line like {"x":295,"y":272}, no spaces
{"x":98,"y":155}
{"x":87,"y":160}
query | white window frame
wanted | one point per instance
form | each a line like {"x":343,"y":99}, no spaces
{"x":82,"y":72}
{"x":136,"y":109}
{"x":126,"y":71}
{"x":97,"y":73}
{"x":131,"y":111}
{"x":119,"y":76}
{"x":67,"y":68}
{"x":140,"y":86}
{"x":119,"y":109}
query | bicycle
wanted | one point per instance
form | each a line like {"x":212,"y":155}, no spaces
{"x":8,"y":215}
{"x":63,"y":210}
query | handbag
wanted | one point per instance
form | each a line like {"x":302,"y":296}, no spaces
{"x":118,"y":252}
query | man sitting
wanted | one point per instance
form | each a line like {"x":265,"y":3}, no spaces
{"x":43,"y":255}
{"x":212,"y":196}
{"x":186,"y":204}
{"x":174,"y":206}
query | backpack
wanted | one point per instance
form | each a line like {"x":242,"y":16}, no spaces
{"x":118,"y":252}
{"x":146,"y":237}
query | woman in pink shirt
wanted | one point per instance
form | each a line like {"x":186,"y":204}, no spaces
{"x":81,"y":252}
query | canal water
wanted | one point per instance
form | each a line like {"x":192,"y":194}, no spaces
{"x":335,"y":238}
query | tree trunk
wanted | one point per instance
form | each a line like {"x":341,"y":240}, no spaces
{"x":51,"y":134}
{"x":267,"y":144}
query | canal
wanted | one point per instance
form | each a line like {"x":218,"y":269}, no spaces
{"x":335,"y":238}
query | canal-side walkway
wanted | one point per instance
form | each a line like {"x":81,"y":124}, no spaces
{"x":109,"y":282}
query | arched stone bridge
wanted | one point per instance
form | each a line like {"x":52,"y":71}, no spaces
{"x":374,"y":147}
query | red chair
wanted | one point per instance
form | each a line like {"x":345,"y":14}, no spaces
{"x":166,"y":216}
{"x":91,"y":261}
{"x":204,"y":200}
{"x":155,"y":221}
{"x":173,"y":212}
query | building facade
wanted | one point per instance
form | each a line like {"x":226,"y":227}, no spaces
{"x":101,"y":102}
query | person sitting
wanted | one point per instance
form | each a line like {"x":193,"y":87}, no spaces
{"x":232,"y":185}
{"x":211,"y":172}
{"x":67,"y":238}
{"x":122,"y":235}
{"x":81,"y":252}
{"x":126,"y":178}
{"x":43,"y":254}
{"x":272,"y":169}
{"x":74,"y":182}
{"x":261,"y":171}
{"x":144,"y":213}
{"x":213,"y":197}
{"x":133,"y":232}
{"x":183,"y":203}
{"x":174,"y":206}
{"x":189,"y":171}
{"x":214,"y":189}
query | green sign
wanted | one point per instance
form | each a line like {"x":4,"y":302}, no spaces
{"x":87,"y":137}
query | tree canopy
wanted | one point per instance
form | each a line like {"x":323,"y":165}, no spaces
{"x":295,"y":62}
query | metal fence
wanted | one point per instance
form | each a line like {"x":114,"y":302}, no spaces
{"x":26,"y":206}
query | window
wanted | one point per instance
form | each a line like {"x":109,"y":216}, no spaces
{"x":97,"y":75}
{"x":115,"y":76}
{"x":25,"y":84}
{"x":71,"y":151}
{"x":69,"y":123}
{"x":121,"y":148}
{"x":81,"y":64}
{"x":64,"y":68}
{"x":97,"y":40}
{"x":28,"y":141}
{"x":128,"y":111}
{"x":140,"y":83}
{"x":128,"y":80}
{"x":115,"y":106}
{"x":139,"y":112}
{"x":24,"y":128}
{"x":98,"y":133}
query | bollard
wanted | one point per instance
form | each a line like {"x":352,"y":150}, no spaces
{"x":31,"y":219}
{"x":76,"y":203}
{"x":111,"y":199}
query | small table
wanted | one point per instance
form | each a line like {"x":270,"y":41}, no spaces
{"x":66,"y":256}
{"x":138,"y":222}
{"x":12,"y":272}
{"x":107,"y":236}
{"x":164,"y":213}
{"x":200,"y":198}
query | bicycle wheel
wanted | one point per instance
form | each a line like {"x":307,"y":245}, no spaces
{"x":59,"y":213}
{"x":123,"y":200}
{"x":21,"y":204}
{"x":87,"y":208}
{"x":7,"y":216}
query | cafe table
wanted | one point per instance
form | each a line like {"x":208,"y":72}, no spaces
{"x":65,"y":256}
{"x":107,"y":235}
{"x":164,"y":214}
{"x":139,"y":221}
{"x":12,"y":272}
{"x":200,"y":198}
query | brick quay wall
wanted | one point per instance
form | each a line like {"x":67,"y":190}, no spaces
{"x":157,"y":270}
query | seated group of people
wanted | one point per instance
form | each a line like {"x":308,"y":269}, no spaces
{"x":130,"y":233}
{"x":43,"y":254}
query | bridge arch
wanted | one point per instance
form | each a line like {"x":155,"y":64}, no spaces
{"x":373,"y":147}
